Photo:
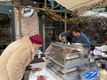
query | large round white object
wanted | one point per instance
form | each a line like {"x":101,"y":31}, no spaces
{"x":27,"y":11}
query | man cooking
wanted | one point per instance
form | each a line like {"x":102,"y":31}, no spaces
{"x":75,"y":35}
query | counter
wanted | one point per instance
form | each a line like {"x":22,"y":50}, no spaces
{"x":45,"y":71}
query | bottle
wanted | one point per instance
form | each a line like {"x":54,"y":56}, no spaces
{"x":39,"y":53}
{"x":68,"y":43}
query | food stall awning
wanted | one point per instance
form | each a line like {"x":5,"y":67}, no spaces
{"x":79,"y":5}
{"x":6,"y":0}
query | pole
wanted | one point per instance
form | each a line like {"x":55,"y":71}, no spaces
{"x":43,"y":16}
{"x":45,"y":3}
{"x":65,"y":23}
{"x":20,"y":32}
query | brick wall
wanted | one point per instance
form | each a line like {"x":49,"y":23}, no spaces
{"x":25,"y":25}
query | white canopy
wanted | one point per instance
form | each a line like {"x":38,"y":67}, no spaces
{"x":5,"y":0}
{"x":77,"y":4}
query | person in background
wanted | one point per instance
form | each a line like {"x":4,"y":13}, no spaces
{"x":65,"y":37}
{"x":16,"y":57}
{"x":75,"y":35}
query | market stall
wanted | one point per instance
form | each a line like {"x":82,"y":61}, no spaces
{"x":62,"y":62}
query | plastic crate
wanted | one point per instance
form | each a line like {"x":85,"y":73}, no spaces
{"x":91,"y":74}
